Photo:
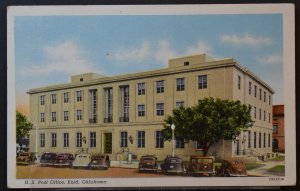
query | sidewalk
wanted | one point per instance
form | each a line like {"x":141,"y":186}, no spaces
{"x":124,"y":164}
{"x":263,"y":171}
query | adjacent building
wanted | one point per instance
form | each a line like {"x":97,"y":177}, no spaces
{"x":278,"y":128}
{"x":118,"y":114}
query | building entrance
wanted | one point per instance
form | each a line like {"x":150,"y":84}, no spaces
{"x":107,"y":143}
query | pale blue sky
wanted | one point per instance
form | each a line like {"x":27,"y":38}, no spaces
{"x":48,"y":49}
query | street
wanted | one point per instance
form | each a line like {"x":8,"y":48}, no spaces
{"x":36,"y":172}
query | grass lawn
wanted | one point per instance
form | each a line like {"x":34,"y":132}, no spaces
{"x":277,"y":169}
{"x":250,"y":166}
{"x":279,"y":158}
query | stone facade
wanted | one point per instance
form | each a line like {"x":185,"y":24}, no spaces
{"x":125,"y":113}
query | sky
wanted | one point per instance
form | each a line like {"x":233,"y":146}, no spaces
{"x":49,"y":49}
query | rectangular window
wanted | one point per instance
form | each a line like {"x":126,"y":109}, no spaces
{"x":78,"y":139}
{"x":250,"y":88}
{"x":265,"y":97}
{"x":269,"y":100}
{"x":108,"y":105}
{"x":123,"y":139}
{"x":255,"y":90}
{"x":259,"y":114}
{"x":53,"y":98}
{"x":79,"y":114}
{"x":264,"y":115}
{"x":254,"y":112}
{"x":141,"y":110}
{"x":264,"y":142}
{"x":160,"y":86}
{"x":66,"y":115}
{"x":42,"y":140}
{"x":202,"y":82}
{"x":53,"y":116}
{"x":159,"y":139}
{"x":269,"y":117}
{"x":260,"y":94}
{"x":239,"y":82}
{"x":53,"y":139}
{"x":180,"y":84}
{"x":93,"y":106}
{"x":124,"y":104}
{"x":179,"y":142}
{"x":254,"y":140}
{"x":66,"y":139}
{"x":259,"y":140}
{"x":179,"y":104}
{"x":159,"y":109}
{"x":269,"y":140}
{"x":199,"y":145}
{"x":249,"y":139}
{"x":42,"y":116}
{"x":66,"y":97}
{"x":275,"y":128}
{"x":42,"y":100}
{"x":141,"y":88}
{"x":92,"y":139}
{"x":78,"y":96}
{"x":141,"y":139}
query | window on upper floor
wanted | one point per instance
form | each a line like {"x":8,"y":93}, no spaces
{"x":260,"y":94}
{"x":179,"y":104}
{"x":78,"y":96}
{"x":275,"y":128}
{"x":265,"y":97}
{"x":159,"y":109}
{"x":66,"y":115}
{"x":269,"y":100}
{"x":53,"y":116}
{"x":141,"y":110}
{"x":239,"y":82}
{"x":259,"y":114}
{"x":202,"y":82}
{"x":53,"y":98}
{"x":42,"y":117}
{"x":42,"y":100}
{"x":66,"y":97}
{"x":250,"y":88}
{"x":255,"y":90}
{"x":180,"y":84}
{"x":160,"y":86}
{"x":79,"y":114}
{"x":141,"y":88}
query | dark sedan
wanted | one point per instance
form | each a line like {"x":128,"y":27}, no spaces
{"x":48,"y":159}
{"x":173,"y":165}
{"x":148,"y":163}
{"x":100,"y":161}
{"x":232,"y":167}
{"x":64,"y":159}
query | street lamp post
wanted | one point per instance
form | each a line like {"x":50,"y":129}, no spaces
{"x":173,"y":139}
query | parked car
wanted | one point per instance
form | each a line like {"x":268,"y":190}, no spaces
{"x":232,"y":167}
{"x":148,"y":163}
{"x":48,"y":158}
{"x":64,"y":159}
{"x":173,"y":165}
{"x":82,"y":160}
{"x":100,"y":161}
{"x":26,"y":158}
{"x":200,"y":165}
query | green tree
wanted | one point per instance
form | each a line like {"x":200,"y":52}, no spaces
{"x":23,"y":125}
{"x":210,"y":121}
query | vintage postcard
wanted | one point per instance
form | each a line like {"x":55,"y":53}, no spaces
{"x":151,"y":96}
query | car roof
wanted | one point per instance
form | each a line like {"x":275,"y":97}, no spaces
{"x":201,"y":156}
{"x":231,"y":160}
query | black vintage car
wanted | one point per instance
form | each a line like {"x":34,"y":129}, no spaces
{"x":148,"y":163}
{"x":100,"y":161}
{"x":201,"y":165}
{"x":173,"y":165}
{"x":232,"y":167}
{"x":48,"y":159}
{"x":64,"y":159}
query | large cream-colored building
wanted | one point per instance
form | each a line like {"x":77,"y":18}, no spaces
{"x":117,"y":114}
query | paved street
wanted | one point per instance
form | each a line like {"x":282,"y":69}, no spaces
{"x":36,"y":171}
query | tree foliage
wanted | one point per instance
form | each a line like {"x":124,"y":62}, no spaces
{"x":210,"y":121}
{"x":23,"y":125}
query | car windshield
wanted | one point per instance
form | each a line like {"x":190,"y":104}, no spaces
{"x":236,"y":162}
{"x":62,"y":156}
{"x":148,"y":159}
{"x":24,"y":154}
{"x":174,"y":160}
{"x":202,"y":160}
{"x":98,"y":157}
{"x":48,"y":155}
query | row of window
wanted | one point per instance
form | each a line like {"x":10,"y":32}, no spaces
{"x":261,"y":114}
{"x":260,"y":139}
{"x":180,"y":86}
{"x":140,"y":140}
{"x":250,"y":89}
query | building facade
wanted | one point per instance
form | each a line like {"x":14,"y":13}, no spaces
{"x":118,"y":114}
{"x":278,"y":128}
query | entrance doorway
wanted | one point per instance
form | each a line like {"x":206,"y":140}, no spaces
{"x":107,"y":143}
